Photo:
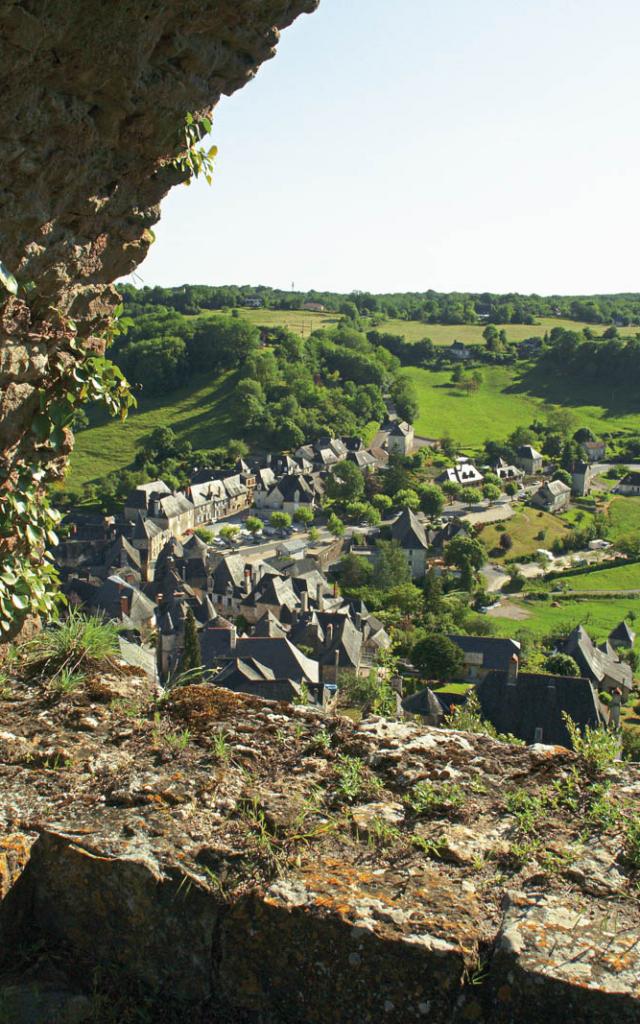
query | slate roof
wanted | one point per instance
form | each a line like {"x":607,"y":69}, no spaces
{"x":497,"y":652}
{"x":595,"y":664}
{"x":537,"y":701}
{"x":409,"y":531}
{"x":630,"y":480}
{"x":622,"y":634}
{"x":424,"y":702}
{"x":400,"y":429}
{"x":122,"y":552}
{"x":276,"y":653}
{"x":107,"y":599}
{"x":229,"y":569}
{"x":145,"y":529}
{"x":527,"y":451}
{"x":268,"y":625}
{"x":243,"y":676}
{"x":290,"y":486}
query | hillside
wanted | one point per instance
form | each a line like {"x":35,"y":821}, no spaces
{"x":202,"y":413}
{"x":510,"y":397}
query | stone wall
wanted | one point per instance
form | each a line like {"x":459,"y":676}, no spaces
{"x":288,"y":876}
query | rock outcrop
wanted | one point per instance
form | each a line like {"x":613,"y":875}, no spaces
{"x":213,"y":857}
{"x":92,"y":117}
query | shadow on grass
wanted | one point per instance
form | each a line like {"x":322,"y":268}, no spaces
{"x":557,"y":389}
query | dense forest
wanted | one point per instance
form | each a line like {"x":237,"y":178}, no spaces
{"x":426,"y":307}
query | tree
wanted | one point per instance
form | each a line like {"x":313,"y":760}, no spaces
{"x":253,"y":525}
{"x":314,"y":534}
{"x":506,"y":542}
{"x":461,"y":548}
{"x":407,"y":498}
{"x":204,"y":534}
{"x":432,"y":593}
{"x":471,"y":495}
{"x":437,"y":657}
{"x":281,"y":521}
{"x":382,"y":502}
{"x":405,"y":398}
{"x":229,"y":532}
{"x":561,"y":665}
{"x":191,"y":657}
{"x":335,"y":525}
{"x":392,"y":568}
{"x":491,"y":491}
{"x":355,"y":571}
{"x":431,"y":500}
{"x":564,"y":476}
{"x":304,"y":515}
{"x":467,"y":576}
{"x":345,"y":482}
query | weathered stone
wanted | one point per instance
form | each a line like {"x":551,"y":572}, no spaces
{"x":201,"y":883}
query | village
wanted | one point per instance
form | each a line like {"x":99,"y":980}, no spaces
{"x":241,"y":578}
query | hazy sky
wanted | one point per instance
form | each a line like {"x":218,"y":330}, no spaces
{"x":446,"y":144}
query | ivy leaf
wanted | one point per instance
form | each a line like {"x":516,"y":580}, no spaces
{"x":19,"y":602}
{"x":8,"y":280}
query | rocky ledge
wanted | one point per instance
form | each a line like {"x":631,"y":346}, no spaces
{"x":212,"y":857}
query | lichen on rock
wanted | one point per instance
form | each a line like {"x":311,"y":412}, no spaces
{"x":284,"y":894}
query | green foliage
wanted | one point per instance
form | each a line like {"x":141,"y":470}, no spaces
{"x":345,"y":482}
{"x":229,"y":532}
{"x":372,"y":693}
{"x":429,"y":799}
{"x":597,"y":748}
{"x":437,"y":657}
{"x":70,"y":645}
{"x":467,"y":717}
{"x":193,"y":159}
{"x":354,"y":779}
{"x":562,"y":665}
{"x":632,"y":842}
{"x":335,"y":525}
{"x":280,"y":520}
{"x":391,"y":569}
{"x":253,"y":525}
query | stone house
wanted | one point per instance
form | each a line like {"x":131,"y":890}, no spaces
{"x":412,"y":537}
{"x":528,"y":459}
{"x":595,"y":451}
{"x":629,"y":485}
{"x":601,"y":665}
{"x":400,"y":439}
{"x":485,"y":654}
{"x":288,"y":495}
{"x":553,"y":496}
{"x":581,"y":479}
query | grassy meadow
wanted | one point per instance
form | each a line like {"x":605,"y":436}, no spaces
{"x":510,"y":397}
{"x":201,"y":413}
{"x":523,"y":529}
{"x":620,"y":577}
{"x":624,"y":517}
{"x":471,"y":334}
{"x":300,"y":321}
{"x":598,"y":616}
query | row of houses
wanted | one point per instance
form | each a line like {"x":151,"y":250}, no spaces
{"x":532,"y":705}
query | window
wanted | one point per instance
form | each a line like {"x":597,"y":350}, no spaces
{"x":537,"y":735}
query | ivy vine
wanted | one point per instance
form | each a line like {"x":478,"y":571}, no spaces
{"x":28,"y":522}
{"x":193,"y":159}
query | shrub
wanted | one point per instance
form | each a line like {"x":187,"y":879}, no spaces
{"x":596,"y":747}
{"x":429,"y":798}
{"x":68,"y":646}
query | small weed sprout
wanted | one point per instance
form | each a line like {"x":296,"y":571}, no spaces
{"x":178,"y":740}
{"x":321,"y":740}
{"x":596,"y":747}
{"x":66,"y":681}
{"x":220,"y":746}
{"x":381,"y":833}
{"x":432,"y":847}
{"x":427,"y":799}
{"x":193,"y":159}
{"x":355,"y":780}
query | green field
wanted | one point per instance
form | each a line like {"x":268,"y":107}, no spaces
{"x":624,"y":517}
{"x":471,"y":334}
{"x":523,"y":529}
{"x":201,"y":414}
{"x":300,"y":321}
{"x":621,"y":577}
{"x":510,"y":397}
{"x":599,"y":617}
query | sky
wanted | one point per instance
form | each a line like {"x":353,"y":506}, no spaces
{"x":445,"y":144}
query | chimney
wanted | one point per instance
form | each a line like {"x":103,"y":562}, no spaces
{"x":358,"y":621}
{"x":512,"y":671}
{"x":320,"y":598}
{"x":125,"y":605}
{"x":304,"y":602}
{"x":233,"y":638}
{"x":247,"y":580}
{"x":335,"y":588}
{"x":329,"y":635}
